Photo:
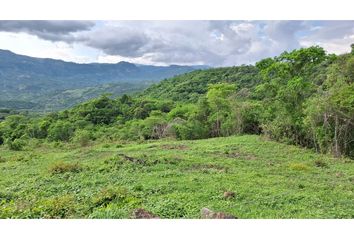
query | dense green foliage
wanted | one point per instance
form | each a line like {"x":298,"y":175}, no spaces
{"x":175,"y":179}
{"x":304,"y":97}
{"x":190,"y":87}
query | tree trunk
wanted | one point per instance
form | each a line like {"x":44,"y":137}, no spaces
{"x":336,"y":145}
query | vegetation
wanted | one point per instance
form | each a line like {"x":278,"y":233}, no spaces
{"x":305,"y":97}
{"x":175,"y":179}
{"x":107,"y":155}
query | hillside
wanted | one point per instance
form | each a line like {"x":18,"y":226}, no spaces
{"x":190,"y":86}
{"x":304,"y":97}
{"x":175,"y":179}
{"x":274,"y":140}
{"x":29,"y":80}
{"x":65,"y":99}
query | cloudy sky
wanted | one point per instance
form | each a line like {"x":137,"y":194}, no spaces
{"x":214,"y":43}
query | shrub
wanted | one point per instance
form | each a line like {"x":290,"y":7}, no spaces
{"x":61,"y":167}
{"x":298,"y":167}
{"x":6,"y":196}
{"x":320,"y":163}
{"x":82,"y":137}
{"x":58,"y":207}
{"x":110,"y":194}
{"x":16,"y":145}
{"x":190,"y":130}
{"x":60,"y":131}
{"x":19,"y":158}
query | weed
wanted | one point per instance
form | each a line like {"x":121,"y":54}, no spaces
{"x":16,"y":145}
{"x":61,"y":167}
{"x":58,"y":207}
{"x":108,"y":195}
{"x":138,"y":188}
{"x":320,"y":163}
{"x":2,"y":159}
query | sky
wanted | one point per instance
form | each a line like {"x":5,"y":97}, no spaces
{"x":213,"y":43}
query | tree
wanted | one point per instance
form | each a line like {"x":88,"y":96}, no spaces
{"x":217,"y":96}
{"x":102,"y":110}
{"x":60,"y":131}
{"x":287,"y":83}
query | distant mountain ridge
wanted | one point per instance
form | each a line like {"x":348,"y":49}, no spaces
{"x":29,"y":79}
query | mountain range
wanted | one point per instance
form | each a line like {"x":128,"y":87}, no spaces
{"x":47,"y":84}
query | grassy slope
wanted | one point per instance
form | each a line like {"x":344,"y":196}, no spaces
{"x":271,"y":180}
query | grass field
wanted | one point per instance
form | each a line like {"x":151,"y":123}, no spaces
{"x":175,"y":179}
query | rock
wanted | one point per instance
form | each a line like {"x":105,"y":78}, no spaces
{"x":209,"y":214}
{"x":143,"y":214}
{"x":228,"y":195}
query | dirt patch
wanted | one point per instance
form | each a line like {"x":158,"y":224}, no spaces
{"x":209,"y":214}
{"x":172,"y":160}
{"x":229,"y":195}
{"x":242,"y":155}
{"x":174,"y":147}
{"x":132,"y":159}
{"x":142,"y":160}
{"x":141,"y":213}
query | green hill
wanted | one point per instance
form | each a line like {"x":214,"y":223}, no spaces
{"x":190,"y":86}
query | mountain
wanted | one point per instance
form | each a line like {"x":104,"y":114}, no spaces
{"x":28,"y":80}
{"x":68,"y":98}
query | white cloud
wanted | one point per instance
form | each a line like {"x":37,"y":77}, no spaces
{"x":25,"y":44}
{"x":216,"y":43}
{"x":334,"y":36}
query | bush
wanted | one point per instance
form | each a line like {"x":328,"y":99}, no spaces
{"x":61,"y":167}
{"x":153,"y":127}
{"x":60,"y":131}
{"x":38,"y":130}
{"x":110,"y":194}
{"x":190,"y":130}
{"x":16,"y":145}
{"x":82,"y":137}
{"x":320,"y":163}
{"x":298,"y":167}
{"x":58,"y":207}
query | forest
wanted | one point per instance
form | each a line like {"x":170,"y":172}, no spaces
{"x":304,"y":97}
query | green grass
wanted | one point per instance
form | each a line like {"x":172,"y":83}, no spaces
{"x":175,"y":179}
